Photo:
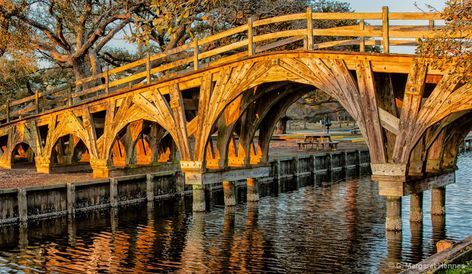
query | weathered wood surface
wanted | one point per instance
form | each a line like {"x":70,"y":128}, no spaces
{"x":159,"y":65}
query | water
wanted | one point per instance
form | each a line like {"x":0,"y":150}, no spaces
{"x":338,"y":228}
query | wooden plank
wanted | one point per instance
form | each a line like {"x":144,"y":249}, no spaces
{"x":250,"y":37}
{"x":347,"y":16}
{"x":280,"y":34}
{"x":415,"y":16}
{"x":389,"y":122}
{"x":224,"y":49}
{"x":309,"y":15}
{"x":279,"y":43}
{"x":279,"y":19}
{"x":223,"y":34}
{"x":385,"y":30}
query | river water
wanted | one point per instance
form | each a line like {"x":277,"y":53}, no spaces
{"x":336,"y":229}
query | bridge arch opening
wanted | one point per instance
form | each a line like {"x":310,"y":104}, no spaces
{"x":70,"y":154}
{"x":142,"y":143}
{"x":22,"y":156}
{"x":244,"y":131}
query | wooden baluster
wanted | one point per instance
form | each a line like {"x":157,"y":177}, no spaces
{"x":195,"y":54}
{"x":385,"y":30}
{"x":362,"y":38}
{"x":107,"y":81}
{"x":148,"y":68}
{"x":8,"y":110}
{"x":250,"y":36}
{"x":36,"y":101}
{"x":309,"y":18}
{"x":69,"y":94}
{"x":431,"y":24}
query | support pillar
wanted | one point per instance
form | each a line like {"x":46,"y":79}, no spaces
{"x":252,"y":190}
{"x":199,"y":204}
{"x":42,"y":165}
{"x":229,"y":193}
{"x":416,"y":207}
{"x":22,"y":206}
{"x":101,"y":168}
{"x":438,"y":201}
{"x":113,"y":193}
{"x":70,"y":199}
{"x":394,"y":214}
{"x":149,"y":188}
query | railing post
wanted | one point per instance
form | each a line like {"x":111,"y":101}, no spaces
{"x":36,"y":100}
{"x":362,"y":38}
{"x":69,"y":94}
{"x":148,"y":68}
{"x":385,"y":30}
{"x":195,"y":54}
{"x":309,"y":18}
{"x":250,"y":36}
{"x":431,"y":24}
{"x":107,"y":81}
{"x":8,"y":110}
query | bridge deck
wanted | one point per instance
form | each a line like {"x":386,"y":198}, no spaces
{"x":217,"y":49}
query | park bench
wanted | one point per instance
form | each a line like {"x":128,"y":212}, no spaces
{"x":318,"y":142}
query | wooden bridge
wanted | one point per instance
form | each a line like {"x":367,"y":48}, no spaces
{"x":213,"y":103}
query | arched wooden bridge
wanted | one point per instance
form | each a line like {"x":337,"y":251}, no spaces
{"x":168,"y":106}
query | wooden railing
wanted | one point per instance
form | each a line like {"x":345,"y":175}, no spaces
{"x":233,"y":44}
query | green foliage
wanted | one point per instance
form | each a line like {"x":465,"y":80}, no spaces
{"x":451,"y":46}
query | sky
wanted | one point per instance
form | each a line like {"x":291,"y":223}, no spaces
{"x":394,"y":5}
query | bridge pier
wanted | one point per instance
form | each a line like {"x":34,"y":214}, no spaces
{"x":252,"y":190}
{"x":199,"y":204}
{"x":438,"y":201}
{"x":43,"y":165}
{"x":100,"y":168}
{"x":394,"y":214}
{"x":416,"y":207}
{"x":229,"y":193}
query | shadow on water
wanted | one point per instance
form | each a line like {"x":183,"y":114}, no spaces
{"x":297,"y":226}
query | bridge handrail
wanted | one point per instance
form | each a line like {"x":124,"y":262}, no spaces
{"x":190,"y":57}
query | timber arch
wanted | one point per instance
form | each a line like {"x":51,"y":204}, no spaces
{"x":396,"y":101}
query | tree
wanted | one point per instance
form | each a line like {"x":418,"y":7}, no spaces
{"x":451,"y":46}
{"x":68,"y":33}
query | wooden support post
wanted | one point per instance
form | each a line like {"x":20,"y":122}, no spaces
{"x":385,"y":30}
{"x":362,"y":38}
{"x":250,"y":36}
{"x":431,"y":24}
{"x":295,"y":166}
{"x":36,"y":101}
{"x":438,"y":201}
{"x":149,"y":187}
{"x":309,"y":18}
{"x":416,"y":207}
{"x":148,"y":68}
{"x":180,"y":178}
{"x":229,"y":193}
{"x":70,"y":199}
{"x":277,"y":170}
{"x":199,"y":204}
{"x":107,"y":81}
{"x":393,"y":221}
{"x":329,"y":166}
{"x":22,"y":206}
{"x":313,"y":168}
{"x":69,"y":94}
{"x":195,"y":54}
{"x":113,"y":192}
{"x":252,"y":190}
{"x":8,"y":110}
{"x":346,"y":163}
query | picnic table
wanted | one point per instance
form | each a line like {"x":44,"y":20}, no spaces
{"x":318,"y":142}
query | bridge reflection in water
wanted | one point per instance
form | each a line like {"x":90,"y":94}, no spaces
{"x":337,"y":228}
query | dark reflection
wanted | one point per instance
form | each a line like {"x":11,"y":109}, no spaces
{"x":324,"y":227}
{"x":438,"y":222}
{"x":416,"y":230}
